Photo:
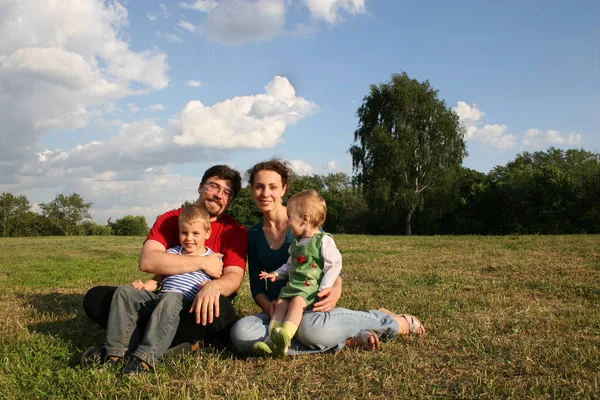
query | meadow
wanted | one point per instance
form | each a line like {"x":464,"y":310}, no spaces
{"x":506,"y":317}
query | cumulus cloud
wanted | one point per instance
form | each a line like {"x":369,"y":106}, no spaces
{"x":331,"y":166}
{"x":535,"y":138}
{"x":470,"y":117}
{"x":330,"y":10}
{"x":256,"y":121}
{"x":496,"y":135}
{"x":300,"y":167}
{"x":156,"y":107}
{"x":133,"y":108}
{"x":63,"y":64}
{"x":193,"y":83}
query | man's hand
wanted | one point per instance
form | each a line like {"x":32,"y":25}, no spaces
{"x":328,"y":299}
{"x":213,"y":265}
{"x":206,"y":303}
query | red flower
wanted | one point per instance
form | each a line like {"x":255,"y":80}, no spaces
{"x":314,"y":265}
{"x":301,"y":259}
{"x":306,"y":283}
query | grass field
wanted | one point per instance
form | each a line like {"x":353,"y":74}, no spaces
{"x":506,"y":317}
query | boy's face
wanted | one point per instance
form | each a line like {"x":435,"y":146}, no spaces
{"x":192,"y":236}
{"x":295,"y":220}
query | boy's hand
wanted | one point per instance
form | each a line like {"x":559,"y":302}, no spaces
{"x":268,"y":275}
{"x":150,"y":285}
{"x":139,"y":285}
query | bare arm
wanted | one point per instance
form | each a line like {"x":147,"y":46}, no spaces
{"x":155,"y":260}
{"x":206,"y":303}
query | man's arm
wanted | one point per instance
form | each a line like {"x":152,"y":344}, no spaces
{"x":155,"y":260}
{"x":206,"y":303}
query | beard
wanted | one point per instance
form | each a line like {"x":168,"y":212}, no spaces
{"x":213,"y":206}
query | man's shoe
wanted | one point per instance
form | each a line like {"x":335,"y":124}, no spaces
{"x":93,"y":356}
{"x":135,"y":366}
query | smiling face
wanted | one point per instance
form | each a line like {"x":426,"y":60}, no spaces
{"x":267,"y":190}
{"x":192,"y":236}
{"x":215,"y":195}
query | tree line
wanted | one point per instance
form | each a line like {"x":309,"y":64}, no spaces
{"x":546,"y":192}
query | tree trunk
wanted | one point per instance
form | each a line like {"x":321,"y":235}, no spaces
{"x":407,"y":227}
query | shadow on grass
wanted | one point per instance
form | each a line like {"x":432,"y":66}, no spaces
{"x":61,"y":315}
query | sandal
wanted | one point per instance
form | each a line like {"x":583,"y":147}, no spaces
{"x":364,"y":340}
{"x":415,"y":327}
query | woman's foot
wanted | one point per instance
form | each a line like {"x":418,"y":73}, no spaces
{"x":408,"y":324}
{"x":368,"y":340}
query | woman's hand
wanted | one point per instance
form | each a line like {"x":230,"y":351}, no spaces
{"x":328,"y":298}
{"x":268,"y":275}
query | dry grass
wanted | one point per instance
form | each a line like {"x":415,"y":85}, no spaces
{"x":506,"y":317}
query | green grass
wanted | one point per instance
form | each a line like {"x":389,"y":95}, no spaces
{"x":506,"y":317}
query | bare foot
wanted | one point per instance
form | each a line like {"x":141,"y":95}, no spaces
{"x":368,"y":340}
{"x":408,"y":324}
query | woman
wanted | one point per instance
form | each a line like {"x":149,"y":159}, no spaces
{"x":324,"y":328}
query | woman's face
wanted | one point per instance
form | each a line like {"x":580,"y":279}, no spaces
{"x":267,"y":190}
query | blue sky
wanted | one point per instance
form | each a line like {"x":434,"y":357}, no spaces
{"x":127,"y":103}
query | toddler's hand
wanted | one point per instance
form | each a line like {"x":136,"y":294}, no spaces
{"x":266,"y":275}
{"x":139,"y":285}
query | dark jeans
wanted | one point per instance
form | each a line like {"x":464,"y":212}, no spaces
{"x":96,"y":305}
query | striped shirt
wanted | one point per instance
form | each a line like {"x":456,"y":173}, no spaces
{"x":188,"y":283}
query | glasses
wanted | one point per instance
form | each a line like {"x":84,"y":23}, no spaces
{"x":212,"y":187}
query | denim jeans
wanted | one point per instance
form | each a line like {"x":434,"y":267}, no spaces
{"x":318,"y":331}
{"x":124,"y":334}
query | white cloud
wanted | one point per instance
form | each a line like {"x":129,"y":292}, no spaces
{"x":133,"y":108}
{"x":193,"y":83}
{"x":495,"y":135}
{"x":169,"y":37}
{"x":62,"y":65}
{"x":200,"y":5}
{"x":187,"y":26}
{"x":331,"y":166}
{"x":162,"y":13}
{"x":535,"y":138}
{"x":256,"y":121}
{"x":300,"y":167}
{"x":329,"y":10}
{"x":156,"y":107}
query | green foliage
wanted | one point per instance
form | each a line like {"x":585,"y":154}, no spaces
{"x":14,"y":211}
{"x":409,"y":144}
{"x":242,"y":208}
{"x":130,"y":226}
{"x":89,"y":228}
{"x":66,"y":212}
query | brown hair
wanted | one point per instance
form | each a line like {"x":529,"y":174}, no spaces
{"x":227,"y":173}
{"x":281,"y":167}
{"x":311,"y":203}
{"x":194,"y":213}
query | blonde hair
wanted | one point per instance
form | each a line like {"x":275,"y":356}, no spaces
{"x":195,"y":213}
{"x":311,"y":203}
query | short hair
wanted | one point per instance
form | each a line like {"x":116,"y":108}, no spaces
{"x":281,"y":167}
{"x":195,"y":213}
{"x":227,"y":173}
{"x":311,"y":203}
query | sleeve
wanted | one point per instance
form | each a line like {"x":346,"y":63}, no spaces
{"x":332,"y":262}
{"x":235,"y":248}
{"x":284,"y":271}
{"x":254,"y":267}
{"x":165,"y":229}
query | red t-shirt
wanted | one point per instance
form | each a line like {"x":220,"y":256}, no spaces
{"x":227,"y":237}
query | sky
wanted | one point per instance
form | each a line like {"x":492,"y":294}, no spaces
{"x":127,"y":103}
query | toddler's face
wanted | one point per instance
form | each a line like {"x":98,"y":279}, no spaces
{"x":192,"y":236}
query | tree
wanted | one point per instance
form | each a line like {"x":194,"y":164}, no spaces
{"x":408,"y":143}
{"x":13,"y":210}
{"x":242,"y":208}
{"x":66,"y":212}
{"x":130,"y":226}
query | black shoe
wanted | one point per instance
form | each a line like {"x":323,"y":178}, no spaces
{"x":93,"y":356}
{"x":134,"y":367}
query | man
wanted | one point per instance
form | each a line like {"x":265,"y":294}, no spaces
{"x":212,"y":311}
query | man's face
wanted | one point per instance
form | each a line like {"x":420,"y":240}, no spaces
{"x":216,"y":195}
